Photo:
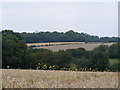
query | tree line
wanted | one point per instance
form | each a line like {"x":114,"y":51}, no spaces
{"x":16,"y":54}
{"x":69,"y":36}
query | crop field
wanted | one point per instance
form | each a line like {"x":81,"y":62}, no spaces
{"x":58,"y":79}
{"x":68,"y":45}
{"x":53,"y":43}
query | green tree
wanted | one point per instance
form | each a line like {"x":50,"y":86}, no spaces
{"x":102,"y":48}
{"x":100,"y":61}
{"x":114,"y":51}
{"x":77,"y":53}
{"x":62,"y":58}
{"x":13,"y":49}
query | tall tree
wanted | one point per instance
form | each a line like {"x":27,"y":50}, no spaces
{"x":13,"y":49}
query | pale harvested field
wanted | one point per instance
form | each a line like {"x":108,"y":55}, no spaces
{"x":73,"y":45}
{"x":58,"y":79}
{"x":53,"y":43}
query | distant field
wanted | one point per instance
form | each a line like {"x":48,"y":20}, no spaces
{"x":58,"y":79}
{"x":53,"y":43}
{"x":69,"y":45}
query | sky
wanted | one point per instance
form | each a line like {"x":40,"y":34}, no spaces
{"x":94,"y":18}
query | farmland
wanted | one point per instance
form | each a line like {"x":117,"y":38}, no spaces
{"x":68,"y":45}
{"x":76,"y":67}
{"x":59,"y":45}
{"x":58,"y":79}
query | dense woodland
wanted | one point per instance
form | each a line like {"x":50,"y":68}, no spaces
{"x":69,"y":36}
{"x":16,"y":54}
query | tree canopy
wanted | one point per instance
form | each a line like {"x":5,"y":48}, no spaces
{"x":13,"y":49}
{"x":69,"y":36}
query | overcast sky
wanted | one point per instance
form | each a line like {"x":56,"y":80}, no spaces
{"x":95,"y":18}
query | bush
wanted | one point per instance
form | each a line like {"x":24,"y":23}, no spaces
{"x":114,"y":51}
{"x":114,"y":67}
{"x":100,"y":61}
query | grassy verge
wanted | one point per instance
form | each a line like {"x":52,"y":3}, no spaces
{"x":114,"y":61}
{"x":114,"y":65}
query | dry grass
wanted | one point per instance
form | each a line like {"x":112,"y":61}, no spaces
{"x":73,"y":45}
{"x":58,"y":79}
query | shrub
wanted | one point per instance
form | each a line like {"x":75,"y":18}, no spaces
{"x":100,"y":61}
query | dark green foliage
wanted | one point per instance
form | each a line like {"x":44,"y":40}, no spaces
{"x":102,"y":48}
{"x":114,"y":67}
{"x":17,"y":55}
{"x":78,"y":53}
{"x":13,"y":49}
{"x":69,"y":36}
{"x":62,"y":58}
{"x":100,"y":61}
{"x":83,"y":63}
{"x":35,"y":56}
{"x":114,"y":51}
{"x":109,"y":39}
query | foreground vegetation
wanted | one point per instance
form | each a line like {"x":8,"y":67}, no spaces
{"x":19,"y":78}
{"x":16,"y":55}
